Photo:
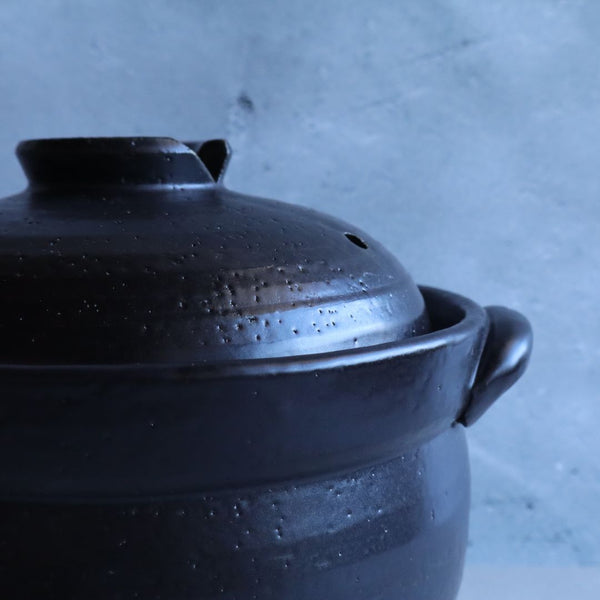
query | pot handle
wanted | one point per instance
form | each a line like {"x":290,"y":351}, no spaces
{"x":504,"y":359}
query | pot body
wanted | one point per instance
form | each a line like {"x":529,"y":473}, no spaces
{"x":335,"y":477}
{"x":393,"y":530}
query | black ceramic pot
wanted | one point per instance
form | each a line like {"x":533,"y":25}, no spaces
{"x":207,"y":395}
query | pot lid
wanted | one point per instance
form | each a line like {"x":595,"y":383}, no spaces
{"x":131,"y":250}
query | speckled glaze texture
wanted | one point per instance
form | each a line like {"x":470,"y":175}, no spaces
{"x":393,"y":530}
{"x":209,"y":396}
{"x":118,"y":431}
{"x":132,"y":244}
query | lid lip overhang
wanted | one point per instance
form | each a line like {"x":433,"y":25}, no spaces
{"x":100,"y":143}
{"x":473,"y":319}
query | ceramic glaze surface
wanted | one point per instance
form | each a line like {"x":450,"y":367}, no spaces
{"x":393,"y":530}
{"x":131,"y":243}
{"x":208,"y":395}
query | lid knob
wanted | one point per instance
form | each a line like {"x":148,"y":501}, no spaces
{"x":127,"y":161}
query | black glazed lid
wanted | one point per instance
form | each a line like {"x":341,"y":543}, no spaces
{"x":130,"y":250}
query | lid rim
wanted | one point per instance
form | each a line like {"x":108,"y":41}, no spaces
{"x":471,"y":317}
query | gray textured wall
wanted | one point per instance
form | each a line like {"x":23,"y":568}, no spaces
{"x":463,"y":134}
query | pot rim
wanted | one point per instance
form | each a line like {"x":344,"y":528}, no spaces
{"x":465,"y":317}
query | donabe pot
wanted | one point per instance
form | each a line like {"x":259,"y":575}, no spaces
{"x":207,"y":395}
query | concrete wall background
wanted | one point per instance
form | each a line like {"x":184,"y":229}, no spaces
{"x":462,"y":134}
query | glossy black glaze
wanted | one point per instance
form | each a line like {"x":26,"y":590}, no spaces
{"x":125,"y":431}
{"x":325,"y":459}
{"x":394,"y":530}
{"x":130,"y":243}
